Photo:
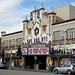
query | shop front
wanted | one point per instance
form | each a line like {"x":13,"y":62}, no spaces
{"x":35,"y":56}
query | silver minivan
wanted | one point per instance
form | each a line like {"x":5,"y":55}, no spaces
{"x":66,"y":68}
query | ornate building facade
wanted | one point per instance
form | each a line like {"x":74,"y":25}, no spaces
{"x":54,"y":29}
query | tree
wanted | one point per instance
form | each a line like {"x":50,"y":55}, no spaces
{"x":19,"y":53}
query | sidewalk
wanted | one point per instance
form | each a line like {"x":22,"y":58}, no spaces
{"x":21,"y":69}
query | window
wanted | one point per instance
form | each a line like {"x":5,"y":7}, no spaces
{"x":31,"y":15}
{"x":38,"y":14}
{"x":69,"y":65}
{"x":61,"y":65}
{"x":38,"y":38}
{"x":46,"y":38}
{"x":69,"y":35}
{"x":42,"y":39}
{"x":57,"y":36}
{"x":73,"y":65}
{"x":34,"y":40}
{"x":3,"y":43}
{"x":9,"y":42}
{"x":13,"y":42}
{"x":53,"y":19}
{"x":73,"y":34}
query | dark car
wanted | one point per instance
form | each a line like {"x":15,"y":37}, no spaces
{"x":3,"y":66}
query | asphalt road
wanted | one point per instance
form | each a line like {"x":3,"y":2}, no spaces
{"x":17,"y":72}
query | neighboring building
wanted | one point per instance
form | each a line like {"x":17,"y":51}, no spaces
{"x":44,"y":31}
{"x":11,"y":42}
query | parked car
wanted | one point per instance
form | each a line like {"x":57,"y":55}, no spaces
{"x":3,"y":66}
{"x":66,"y":68}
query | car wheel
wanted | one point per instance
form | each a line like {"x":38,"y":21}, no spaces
{"x":56,"y":71}
{"x":69,"y":72}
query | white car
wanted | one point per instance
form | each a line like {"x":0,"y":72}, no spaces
{"x":66,"y":68}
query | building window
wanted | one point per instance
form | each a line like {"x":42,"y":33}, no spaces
{"x":38,"y":38}
{"x":13,"y":42}
{"x":42,"y":39}
{"x":57,"y":36}
{"x":9,"y":42}
{"x":31,"y":40}
{"x":34,"y":40}
{"x":69,"y":35}
{"x":46,"y":38}
{"x":38,"y":14}
{"x":3,"y":43}
{"x":74,"y":35}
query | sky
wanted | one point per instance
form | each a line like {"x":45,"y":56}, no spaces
{"x":13,"y":12}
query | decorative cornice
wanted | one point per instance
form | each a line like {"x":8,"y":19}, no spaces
{"x":63,"y":21}
{"x":13,"y":33}
{"x":52,"y":13}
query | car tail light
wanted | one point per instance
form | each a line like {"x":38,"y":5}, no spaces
{"x":72,"y":67}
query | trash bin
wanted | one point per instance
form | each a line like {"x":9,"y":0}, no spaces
{"x":50,"y":68}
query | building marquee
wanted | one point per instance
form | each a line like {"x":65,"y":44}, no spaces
{"x":35,"y":51}
{"x":38,"y":51}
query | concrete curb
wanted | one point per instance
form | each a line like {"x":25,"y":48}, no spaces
{"x":31,"y":70}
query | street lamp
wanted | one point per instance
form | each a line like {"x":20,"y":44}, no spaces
{"x":35,"y":57}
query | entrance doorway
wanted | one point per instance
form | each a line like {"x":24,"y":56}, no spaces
{"x":40,"y":62}
{"x":29,"y":62}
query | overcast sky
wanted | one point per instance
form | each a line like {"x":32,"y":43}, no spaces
{"x":13,"y":12}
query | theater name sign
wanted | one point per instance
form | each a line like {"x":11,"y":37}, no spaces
{"x":36,"y":50}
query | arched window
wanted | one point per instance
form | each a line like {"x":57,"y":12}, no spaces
{"x":42,"y":39}
{"x":34,"y":40}
{"x":38,"y":39}
{"x":46,"y":38}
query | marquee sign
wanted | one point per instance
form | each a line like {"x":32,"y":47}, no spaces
{"x":24,"y":51}
{"x":38,"y":51}
{"x":38,"y":45}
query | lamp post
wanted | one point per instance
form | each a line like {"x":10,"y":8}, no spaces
{"x":35,"y":57}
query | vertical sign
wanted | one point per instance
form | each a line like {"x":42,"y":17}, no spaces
{"x":24,"y":51}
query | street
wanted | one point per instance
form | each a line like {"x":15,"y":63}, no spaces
{"x":17,"y":72}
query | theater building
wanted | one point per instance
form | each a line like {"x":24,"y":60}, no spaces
{"x":42,"y":32}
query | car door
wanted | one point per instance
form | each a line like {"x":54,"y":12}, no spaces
{"x":61,"y":68}
{"x":65,"y":68}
